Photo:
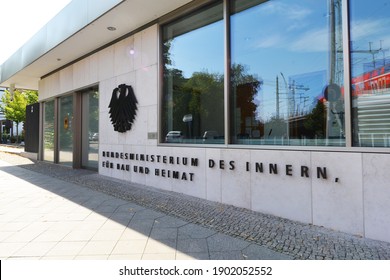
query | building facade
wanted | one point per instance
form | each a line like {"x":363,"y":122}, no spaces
{"x":281,"y":107}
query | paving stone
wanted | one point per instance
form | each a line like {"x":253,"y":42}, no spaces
{"x":192,"y":246}
{"x":254,"y":252}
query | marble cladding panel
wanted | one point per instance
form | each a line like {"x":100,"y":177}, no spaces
{"x":137,"y":56}
{"x":43,"y":89}
{"x":338,"y":200}
{"x":128,"y":78}
{"x":235,"y":182}
{"x":190,"y":165}
{"x":106,"y":64}
{"x":277,"y":184}
{"x":213,"y":176}
{"x":152,"y":124}
{"x":138,"y":133}
{"x":81,"y":73}
{"x":124,"y":56}
{"x":86,"y":71}
{"x":66,"y":79}
{"x":376,"y":182}
{"x":49,"y":87}
{"x":93,"y":75}
{"x":146,"y":88}
{"x":149,"y":46}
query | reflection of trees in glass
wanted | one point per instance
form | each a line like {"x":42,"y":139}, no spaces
{"x":205,"y":104}
{"x":202,"y":97}
{"x":49,"y":125}
{"x":245,"y":88}
{"x":94,"y":111}
{"x":315,"y":123}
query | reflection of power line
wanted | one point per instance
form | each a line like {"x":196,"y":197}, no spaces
{"x":295,"y":89}
{"x":373,"y":52}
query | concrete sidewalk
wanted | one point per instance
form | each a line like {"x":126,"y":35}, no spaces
{"x":42,"y":217}
{"x":51,"y":211}
{"x":13,"y":149}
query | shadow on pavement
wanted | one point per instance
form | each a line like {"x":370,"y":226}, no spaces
{"x":172,"y":221}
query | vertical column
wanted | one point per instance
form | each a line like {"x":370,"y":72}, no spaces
{"x":226,"y":14}
{"x":77,"y":127}
{"x":56,"y":130}
{"x":347,"y":75}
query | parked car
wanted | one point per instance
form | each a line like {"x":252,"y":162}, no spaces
{"x":174,"y":136}
{"x":94,"y":136}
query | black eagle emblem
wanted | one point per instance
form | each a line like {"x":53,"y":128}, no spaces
{"x":123,"y":107}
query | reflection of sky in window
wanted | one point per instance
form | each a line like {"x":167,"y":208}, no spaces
{"x":200,"y":50}
{"x":370,"y":21}
{"x":284,"y":37}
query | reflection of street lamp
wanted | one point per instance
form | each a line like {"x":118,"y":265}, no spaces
{"x":188,"y":119}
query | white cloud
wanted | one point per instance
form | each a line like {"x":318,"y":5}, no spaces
{"x":290,"y":11}
{"x":365,"y":31}
{"x":269,"y":42}
{"x":312,"y":41}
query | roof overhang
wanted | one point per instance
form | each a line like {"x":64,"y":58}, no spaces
{"x":79,"y":29}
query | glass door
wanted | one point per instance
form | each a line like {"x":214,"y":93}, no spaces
{"x":90,"y":128}
{"x":65,"y":129}
{"x":48,"y":131}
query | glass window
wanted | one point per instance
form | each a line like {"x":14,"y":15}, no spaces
{"x":90,"y":128}
{"x":48,"y":131}
{"x":370,"y":71}
{"x":193,"y":93}
{"x":287,"y":73}
{"x":65,"y":128}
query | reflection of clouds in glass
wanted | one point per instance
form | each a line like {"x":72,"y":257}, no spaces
{"x":269,"y":42}
{"x":368,"y":30}
{"x":289,"y":11}
{"x":312,"y":41}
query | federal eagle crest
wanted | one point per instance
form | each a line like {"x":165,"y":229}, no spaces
{"x":123,"y":107}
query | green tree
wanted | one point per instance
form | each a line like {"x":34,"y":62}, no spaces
{"x":315,"y":123}
{"x":14,"y":105}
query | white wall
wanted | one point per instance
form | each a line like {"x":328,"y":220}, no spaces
{"x":354,"y":198}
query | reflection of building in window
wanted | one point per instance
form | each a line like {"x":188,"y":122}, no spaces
{"x":245,"y":109}
{"x":371,"y":105}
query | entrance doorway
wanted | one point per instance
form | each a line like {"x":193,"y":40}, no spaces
{"x":90,"y":128}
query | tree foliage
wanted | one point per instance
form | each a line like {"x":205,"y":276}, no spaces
{"x":316,"y":121}
{"x":14,"y":105}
